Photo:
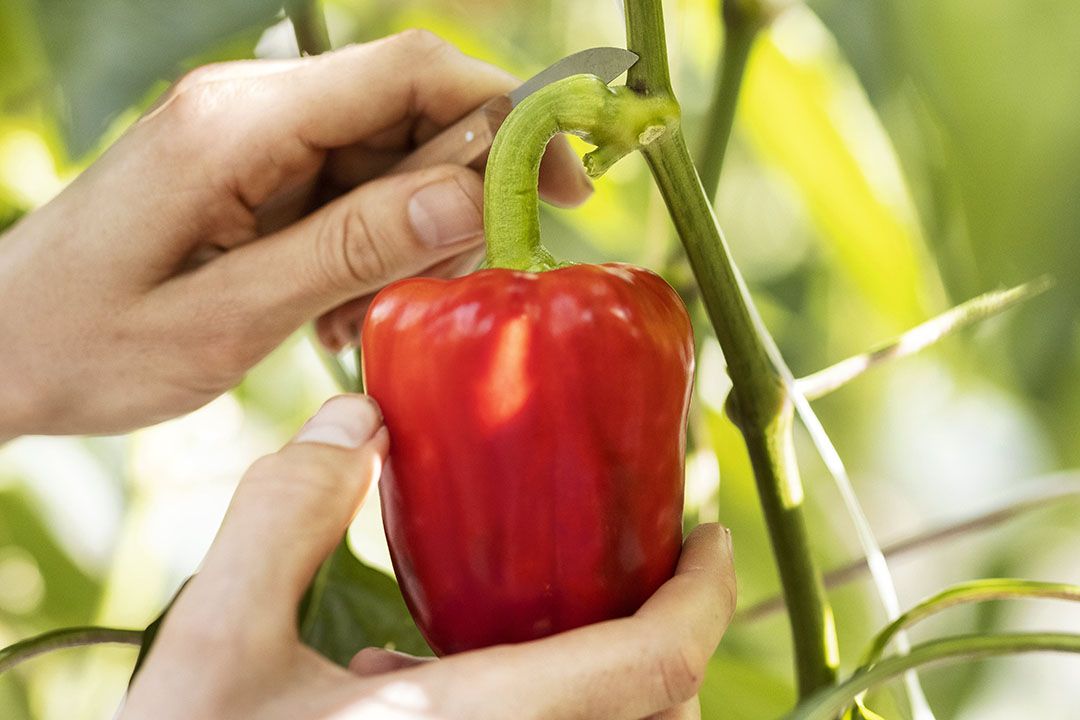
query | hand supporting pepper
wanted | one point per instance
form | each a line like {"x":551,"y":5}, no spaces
{"x":220,"y":656}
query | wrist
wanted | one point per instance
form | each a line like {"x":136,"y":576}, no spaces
{"x":21,"y":403}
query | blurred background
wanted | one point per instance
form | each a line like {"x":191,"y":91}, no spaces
{"x":890,"y":159}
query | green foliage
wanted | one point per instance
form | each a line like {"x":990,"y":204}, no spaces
{"x":827,"y":703}
{"x":104,"y":56}
{"x":351,"y":606}
{"x":69,"y":593}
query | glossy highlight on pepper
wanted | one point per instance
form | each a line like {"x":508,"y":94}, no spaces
{"x":537,"y":425}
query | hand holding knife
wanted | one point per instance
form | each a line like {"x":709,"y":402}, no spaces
{"x":467,"y":141}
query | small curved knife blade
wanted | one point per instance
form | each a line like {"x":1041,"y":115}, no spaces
{"x":466,"y":141}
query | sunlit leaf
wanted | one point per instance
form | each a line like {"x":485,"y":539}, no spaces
{"x":67,"y":595}
{"x":739,"y":689}
{"x":21,"y":55}
{"x":805,"y":112}
{"x":859,"y":711}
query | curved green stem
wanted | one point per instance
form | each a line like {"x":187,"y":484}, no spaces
{"x":759,"y":400}
{"x":970,"y":592}
{"x":616,"y":120}
{"x":65,"y":638}
{"x":829,"y":703}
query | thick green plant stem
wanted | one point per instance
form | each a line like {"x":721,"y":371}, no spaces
{"x":759,"y":401}
{"x":616,"y":120}
{"x":740,"y":31}
{"x":65,"y":638}
{"x":309,"y":26}
{"x":829,"y":703}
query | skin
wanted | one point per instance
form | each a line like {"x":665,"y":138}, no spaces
{"x":251,"y":199}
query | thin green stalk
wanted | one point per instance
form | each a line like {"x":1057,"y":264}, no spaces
{"x":921,"y":336}
{"x":826,"y":705}
{"x":740,"y":31}
{"x":931,"y":538}
{"x":65,"y":638}
{"x":309,"y":26}
{"x":975,"y":591}
{"x":312,"y":38}
{"x":759,"y":401}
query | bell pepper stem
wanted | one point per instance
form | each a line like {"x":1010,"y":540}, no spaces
{"x":616,"y":120}
{"x":759,"y":401}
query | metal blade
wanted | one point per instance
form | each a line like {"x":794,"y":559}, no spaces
{"x":607,"y":63}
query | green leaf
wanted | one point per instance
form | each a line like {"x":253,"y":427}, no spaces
{"x":859,"y":711}
{"x":351,"y":606}
{"x":106,"y":55}
{"x":806,"y":113}
{"x":21,"y":66}
{"x":740,"y":688}
{"x":70,"y":593}
{"x":830,"y":702}
{"x":969,"y":592}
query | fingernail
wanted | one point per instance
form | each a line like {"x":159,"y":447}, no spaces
{"x":442,"y":213}
{"x":346,"y":421}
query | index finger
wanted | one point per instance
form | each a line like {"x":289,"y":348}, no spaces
{"x":346,"y":95}
{"x":628,"y":668}
{"x":349,"y":95}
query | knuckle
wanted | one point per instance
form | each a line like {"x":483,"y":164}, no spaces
{"x":225,"y":352}
{"x":355,"y":253}
{"x":195,"y":103}
{"x":302,"y":476}
{"x":197,"y":76}
{"x":417,"y":41}
{"x":681,"y":670}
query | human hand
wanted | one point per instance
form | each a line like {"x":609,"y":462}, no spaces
{"x":229,"y":647}
{"x":197,"y":243}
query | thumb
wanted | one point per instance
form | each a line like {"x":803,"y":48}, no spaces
{"x":387,"y":229}
{"x":291,"y":508}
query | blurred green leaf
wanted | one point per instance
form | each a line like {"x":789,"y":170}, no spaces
{"x":70,"y":594}
{"x":14,"y":703}
{"x":351,"y":606}
{"x":740,"y":689}
{"x":21,"y":56}
{"x":105,"y":55}
{"x":806,"y":113}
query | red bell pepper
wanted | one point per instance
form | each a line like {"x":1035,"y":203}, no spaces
{"x":537,"y":423}
{"x":537,"y":419}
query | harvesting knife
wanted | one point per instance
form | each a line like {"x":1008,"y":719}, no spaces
{"x":466,"y":141}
